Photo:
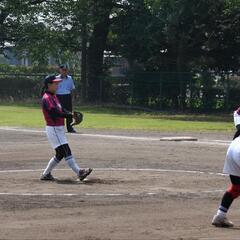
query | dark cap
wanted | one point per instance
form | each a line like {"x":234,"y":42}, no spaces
{"x":63,"y":66}
{"x":51,"y":79}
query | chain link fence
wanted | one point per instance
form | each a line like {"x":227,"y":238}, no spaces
{"x":205,"y":91}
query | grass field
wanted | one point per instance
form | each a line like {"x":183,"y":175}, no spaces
{"x":30,"y":115}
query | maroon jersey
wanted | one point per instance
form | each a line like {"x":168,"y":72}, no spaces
{"x":52,"y":110}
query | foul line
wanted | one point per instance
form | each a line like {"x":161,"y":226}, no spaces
{"x":122,"y":169}
{"x":21,"y":130}
{"x":85,"y":134}
{"x":121,"y":137}
{"x":63,"y":194}
{"x":142,"y":194}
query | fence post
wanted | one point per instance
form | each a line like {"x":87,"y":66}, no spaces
{"x":227,"y":93}
{"x":160,"y":92}
{"x":191,"y":92}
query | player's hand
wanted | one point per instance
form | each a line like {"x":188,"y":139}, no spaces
{"x":77,"y":118}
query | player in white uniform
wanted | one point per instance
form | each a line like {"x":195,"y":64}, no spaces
{"x":236,"y":117}
{"x":232,"y":168}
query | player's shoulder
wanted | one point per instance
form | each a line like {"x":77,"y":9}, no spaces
{"x":46,"y":96}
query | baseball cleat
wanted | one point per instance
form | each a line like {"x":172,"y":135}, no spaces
{"x":48,"y":177}
{"x":83,"y":173}
{"x":219,"y":221}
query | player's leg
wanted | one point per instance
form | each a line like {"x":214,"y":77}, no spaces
{"x":63,"y":102}
{"x":66,"y":103}
{"x":69,"y":108}
{"x":52,"y":164}
{"x":56,"y":137}
{"x":81,"y":173}
{"x":70,"y":159}
{"x":233,"y":192}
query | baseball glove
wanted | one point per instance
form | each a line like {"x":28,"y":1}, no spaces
{"x":77,"y":118}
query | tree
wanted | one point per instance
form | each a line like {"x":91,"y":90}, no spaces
{"x":11,"y":13}
{"x":83,"y":29}
{"x":180,"y":36}
{"x":154,"y":35}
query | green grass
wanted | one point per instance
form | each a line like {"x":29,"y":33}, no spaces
{"x":30,"y":115}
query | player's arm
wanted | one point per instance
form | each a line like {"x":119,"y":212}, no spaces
{"x":56,"y":113}
{"x":65,"y":111}
{"x":53,"y":111}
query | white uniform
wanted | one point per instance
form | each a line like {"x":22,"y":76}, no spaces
{"x":236,"y":118}
{"x":56,"y":136}
{"x":232,"y":161}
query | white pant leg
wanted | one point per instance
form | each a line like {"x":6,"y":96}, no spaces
{"x":56,"y":136}
{"x":232,"y":161}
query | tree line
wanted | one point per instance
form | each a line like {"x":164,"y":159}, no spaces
{"x":175,"y":36}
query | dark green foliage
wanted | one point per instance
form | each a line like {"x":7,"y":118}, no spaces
{"x":173,"y":39}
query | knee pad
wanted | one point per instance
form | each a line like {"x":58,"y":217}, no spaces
{"x":59,"y":153}
{"x":66,"y":150}
{"x":234,"y":190}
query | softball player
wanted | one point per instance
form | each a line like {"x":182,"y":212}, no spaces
{"x":232,"y":168}
{"x":54,"y":116}
{"x":236,"y":117}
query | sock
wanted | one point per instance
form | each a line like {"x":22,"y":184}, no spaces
{"x":225,"y":204}
{"x":222,"y":211}
{"x":51,"y":165}
{"x":72,"y":164}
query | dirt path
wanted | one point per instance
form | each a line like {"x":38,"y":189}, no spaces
{"x":140,"y":189}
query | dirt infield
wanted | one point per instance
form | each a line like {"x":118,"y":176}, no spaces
{"x":141,"y":187}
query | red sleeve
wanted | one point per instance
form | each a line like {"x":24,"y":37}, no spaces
{"x":50,"y":107}
{"x":47,"y":104}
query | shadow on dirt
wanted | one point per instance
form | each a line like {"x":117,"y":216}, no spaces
{"x":90,"y":181}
